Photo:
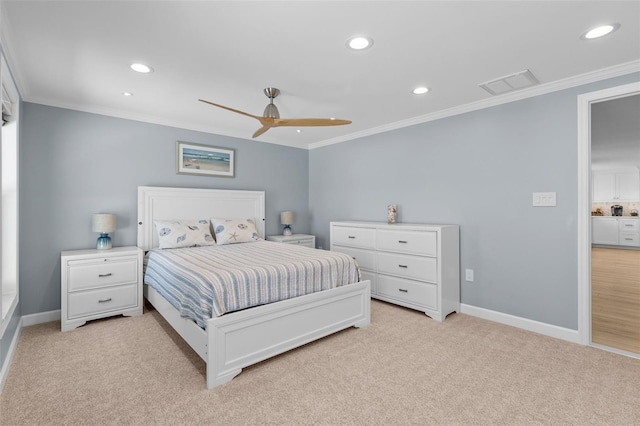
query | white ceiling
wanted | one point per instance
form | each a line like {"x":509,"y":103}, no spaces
{"x":76,"y":54}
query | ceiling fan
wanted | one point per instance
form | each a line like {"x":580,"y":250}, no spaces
{"x":271,"y":116}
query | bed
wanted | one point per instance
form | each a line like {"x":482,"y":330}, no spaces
{"x":238,"y":339}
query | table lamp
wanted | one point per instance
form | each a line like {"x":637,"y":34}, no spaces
{"x":286,"y":218}
{"x":103,"y":223}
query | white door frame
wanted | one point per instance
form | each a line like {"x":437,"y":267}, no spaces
{"x":584,"y":199}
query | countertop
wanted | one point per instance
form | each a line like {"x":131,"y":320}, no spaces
{"x":618,"y":217}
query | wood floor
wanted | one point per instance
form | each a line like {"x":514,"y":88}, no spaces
{"x":615,"y":298}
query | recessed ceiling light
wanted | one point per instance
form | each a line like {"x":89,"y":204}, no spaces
{"x":359,"y":42}
{"x":299,"y":130}
{"x":145,"y":69}
{"x":420,"y":90}
{"x":127,"y":94}
{"x":600,"y":31}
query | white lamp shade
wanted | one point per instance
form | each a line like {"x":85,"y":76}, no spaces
{"x":286,"y":218}
{"x":103,"y":223}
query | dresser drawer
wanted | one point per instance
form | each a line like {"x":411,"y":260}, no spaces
{"x":629,"y":239}
{"x":85,"y":274}
{"x":355,"y":237}
{"x":91,"y":302}
{"x":417,"y":268}
{"x":364,"y":258}
{"x":413,"y":292}
{"x":413,"y":242}
{"x":366,"y":275}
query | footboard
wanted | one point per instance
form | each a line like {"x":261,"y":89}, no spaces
{"x":250,"y":336}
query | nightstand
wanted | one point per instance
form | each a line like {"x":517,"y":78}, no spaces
{"x":100,"y":283}
{"x":301,"y":239}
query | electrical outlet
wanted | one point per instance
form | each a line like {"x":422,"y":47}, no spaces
{"x":468,"y":275}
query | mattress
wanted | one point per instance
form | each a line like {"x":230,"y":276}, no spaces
{"x":207,"y":282}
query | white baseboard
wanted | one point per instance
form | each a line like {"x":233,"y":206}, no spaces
{"x":4,"y":371}
{"x":524,"y":323}
{"x":41,"y":318}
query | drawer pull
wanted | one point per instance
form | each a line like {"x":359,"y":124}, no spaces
{"x":104,"y":300}
{"x":104,"y":275}
{"x":403,"y":290}
{"x":628,"y":239}
{"x":352,"y":237}
{"x":402,"y":266}
{"x":402,"y":242}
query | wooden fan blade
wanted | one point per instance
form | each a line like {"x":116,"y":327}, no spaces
{"x":232,"y":110}
{"x":268,"y":122}
{"x":261,"y":130}
{"x":309,"y":122}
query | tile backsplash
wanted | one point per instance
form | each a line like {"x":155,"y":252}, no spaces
{"x":606,"y":208}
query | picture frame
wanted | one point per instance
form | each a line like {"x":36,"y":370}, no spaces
{"x":204,"y":160}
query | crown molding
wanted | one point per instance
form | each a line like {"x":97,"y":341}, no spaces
{"x":542,"y":89}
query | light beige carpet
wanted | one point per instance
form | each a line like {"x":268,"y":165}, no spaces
{"x":403,"y":369}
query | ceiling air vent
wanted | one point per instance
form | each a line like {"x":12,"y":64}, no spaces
{"x":509,"y":83}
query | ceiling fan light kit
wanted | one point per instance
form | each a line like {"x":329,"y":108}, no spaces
{"x":271,"y":116}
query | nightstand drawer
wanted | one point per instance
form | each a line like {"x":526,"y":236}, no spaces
{"x":306,"y":242}
{"x":90,"y":302}
{"x":420,"y":243}
{"x":413,"y":267}
{"x":85,"y":274}
{"x":422,"y":294}
{"x":354,"y":237}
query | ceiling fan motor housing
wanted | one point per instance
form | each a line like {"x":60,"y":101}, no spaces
{"x":271,"y":110}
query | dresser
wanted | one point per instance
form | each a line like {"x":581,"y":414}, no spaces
{"x":413,"y":265}
{"x":300,"y":239}
{"x":100,"y":283}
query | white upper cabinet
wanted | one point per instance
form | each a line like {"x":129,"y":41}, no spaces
{"x":617,"y":185}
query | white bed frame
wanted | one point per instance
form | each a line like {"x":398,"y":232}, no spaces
{"x":238,"y":339}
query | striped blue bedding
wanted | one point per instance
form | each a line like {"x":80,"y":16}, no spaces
{"x":207,"y":282}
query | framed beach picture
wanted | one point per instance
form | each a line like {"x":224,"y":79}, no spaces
{"x":196,"y":159}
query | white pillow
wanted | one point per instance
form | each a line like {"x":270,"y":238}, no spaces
{"x":231,"y":231}
{"x":183,"y":233}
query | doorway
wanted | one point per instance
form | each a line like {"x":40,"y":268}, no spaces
{"x":585,"y":259}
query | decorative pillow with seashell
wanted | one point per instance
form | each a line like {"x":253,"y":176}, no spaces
{"x":184,"y":233}
{"x":231,"y":231}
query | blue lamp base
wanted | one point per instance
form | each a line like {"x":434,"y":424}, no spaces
{"x":287,"y":231}
{"x":104,"y":242}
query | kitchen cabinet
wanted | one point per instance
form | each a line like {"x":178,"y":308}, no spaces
{"x":615,"y":231}
{"x":604,"y":230}
{"x":616,"y":185}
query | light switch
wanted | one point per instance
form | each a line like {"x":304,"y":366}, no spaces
{"x":544,"y":199}
{"x":468,"y":275}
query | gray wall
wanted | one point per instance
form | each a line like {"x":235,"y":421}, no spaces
{"x":478,"y":170}
{"x":75,"y":164}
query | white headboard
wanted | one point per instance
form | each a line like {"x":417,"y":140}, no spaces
{"x":155,"y":203}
